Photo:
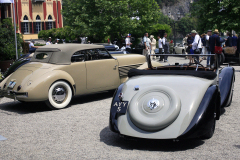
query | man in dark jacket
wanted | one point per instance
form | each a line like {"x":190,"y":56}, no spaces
{"x":238,"y":45}
{"x":234,"y":41}
{"x":214,"y":40}
{"x":229,"y":40}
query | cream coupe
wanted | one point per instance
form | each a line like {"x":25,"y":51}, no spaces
{"x":56,"y":73}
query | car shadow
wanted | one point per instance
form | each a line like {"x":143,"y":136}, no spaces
{"x":112,"y":139}
{"x":34,"y":107}
{"x":92,"y":97}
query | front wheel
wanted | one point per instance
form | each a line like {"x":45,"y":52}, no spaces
{"x":59,"y":95}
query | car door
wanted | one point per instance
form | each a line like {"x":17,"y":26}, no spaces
{"x":102,"y":70}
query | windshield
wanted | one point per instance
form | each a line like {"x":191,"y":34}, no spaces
{"x":185,"y":61}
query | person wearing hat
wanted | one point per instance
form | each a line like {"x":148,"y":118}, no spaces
{"x":214,"y":40}
{"x":49,"y":41}
{"x":57,"y":40}
{"x":128,"y":43}
{"x":153,"y":46}
{"x":197,"y":43}
{"x":209,"y":33}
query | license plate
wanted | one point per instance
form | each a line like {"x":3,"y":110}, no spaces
{"x":120,"y":107}
{"x":11,"y":84}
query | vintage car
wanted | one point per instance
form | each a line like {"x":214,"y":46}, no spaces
{"x":174,"y":101}
{"x":58,"y":72}
{"x":179,"y":49}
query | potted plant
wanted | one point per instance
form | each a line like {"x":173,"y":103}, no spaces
{"x":7,"y":44}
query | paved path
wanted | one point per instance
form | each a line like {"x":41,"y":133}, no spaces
{"x":81,"y":132}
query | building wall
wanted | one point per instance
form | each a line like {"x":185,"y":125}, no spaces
{"x":31,"y":9}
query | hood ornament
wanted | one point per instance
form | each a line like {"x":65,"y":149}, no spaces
{"x":153,"y":104}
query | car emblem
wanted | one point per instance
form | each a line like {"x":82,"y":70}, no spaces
{"x":153,"y":104}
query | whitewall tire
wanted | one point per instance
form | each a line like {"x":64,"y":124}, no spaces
{"x":59,"y":95}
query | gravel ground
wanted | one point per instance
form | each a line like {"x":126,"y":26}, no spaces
{"x":81,"y":132}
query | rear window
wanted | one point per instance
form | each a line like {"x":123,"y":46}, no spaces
{"x":41,"y":56}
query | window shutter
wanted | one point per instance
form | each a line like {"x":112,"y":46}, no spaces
{"x":47,"y":25}
{"x":54,"y":25}
{"x":43,"y":26}
{"x":30,"y":25}
{"x":34,"y":27}
{"x":22,"y":28}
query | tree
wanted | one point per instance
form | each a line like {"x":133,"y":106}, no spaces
{"x":217,"y":14}
{"x":7,"y":40}
{"x":187,"y":24}
{"x":99,"y":19}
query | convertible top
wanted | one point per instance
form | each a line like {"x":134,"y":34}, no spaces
{"x":62,"y":53}
{"x":201,"y":74}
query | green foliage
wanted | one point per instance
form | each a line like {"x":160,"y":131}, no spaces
{"x":166,"y":2}
{"x":211,"y":17}
{"x":7,"y":40}
{"x":155,"y":28}
{"x":66,"y":33}
{"x":187,"y":24}
{"x":100,"y":19}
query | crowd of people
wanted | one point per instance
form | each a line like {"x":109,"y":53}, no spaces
{"x":209,"y":43}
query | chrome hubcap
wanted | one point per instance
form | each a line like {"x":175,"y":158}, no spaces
{"x":153,"y":103}
{"x":59,"y":94}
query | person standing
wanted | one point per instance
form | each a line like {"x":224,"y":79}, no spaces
{"x":160,"y":47}
{"x":234,"y":41}
{"x":197,"y":43}
{"x":185,"y":40}
{"x":165,"y":46}
{"x":214,"y":40}
{"x":49,"y":41}
{"x":189,"y":49}
{"x":209,"y":33}
{"x":238,"y":45}
{"x":146,"y":43}
{"x":229,"y":40}
{"x":128,"y":43}
{"x":32,"y":48}
{"x":153,"y":46}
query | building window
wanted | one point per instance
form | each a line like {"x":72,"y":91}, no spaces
{"x":50,"y":22}
{"x":25,"y":25}
{"x":38,"y":24}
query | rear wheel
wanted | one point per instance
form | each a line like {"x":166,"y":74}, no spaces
{"x":210,"y":133}
{"x":59,"y":95}
{"x":174,"y":52}
{"x":183,"y":51}
{"x":230,"y":95}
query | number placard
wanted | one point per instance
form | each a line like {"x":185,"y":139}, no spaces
{"x":120,"y":107}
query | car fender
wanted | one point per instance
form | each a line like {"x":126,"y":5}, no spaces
{"x":226,"y":78}
{"x":37,"y":89}
{"x":204,"y":116}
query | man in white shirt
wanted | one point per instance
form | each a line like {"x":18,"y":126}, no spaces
{"x":32,"y":48}
{"x":197,"y":43}
{"x":209,"y":33}
{"x":49,"y":41}
{"x":128,"y":43}
{"x":153,"y":46}
{"x":165,"y":46}
{"x":146,"y":43}
{"x":160,"y":47}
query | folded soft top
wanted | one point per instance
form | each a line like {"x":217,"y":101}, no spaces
{"x":201,"y":74}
